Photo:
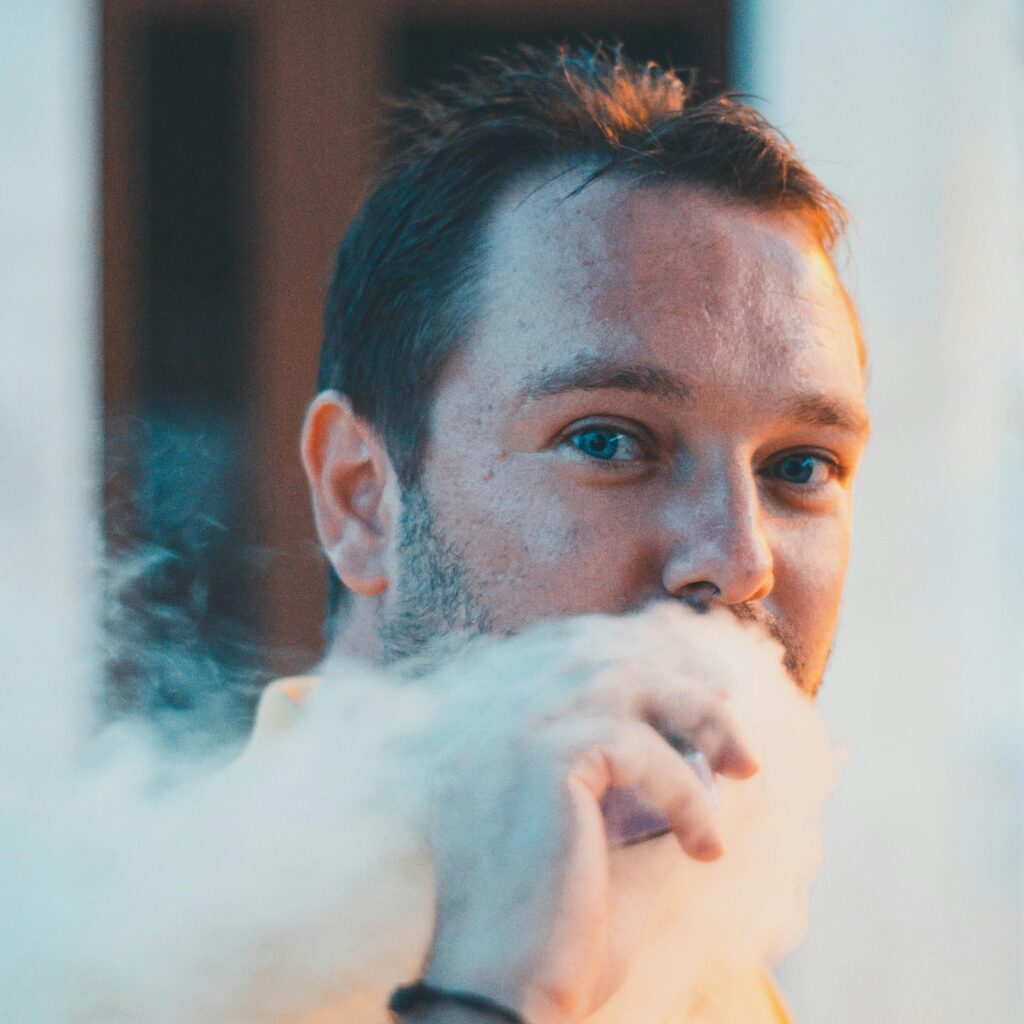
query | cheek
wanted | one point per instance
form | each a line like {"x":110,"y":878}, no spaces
{"x":810,"y":569}
{"x":535,"y":545}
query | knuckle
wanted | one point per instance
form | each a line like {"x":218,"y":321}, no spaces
{"x":686,"y":803}
{"x":714,"y":723}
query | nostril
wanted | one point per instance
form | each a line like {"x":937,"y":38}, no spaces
{"x":699,"y":595}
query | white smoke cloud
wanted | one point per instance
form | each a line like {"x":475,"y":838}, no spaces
{"x":297,"y":881}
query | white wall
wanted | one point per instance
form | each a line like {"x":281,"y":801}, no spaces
{"x":913,"y":111}
{"x":49,"y":409}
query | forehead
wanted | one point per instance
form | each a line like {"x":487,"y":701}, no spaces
{"x":714,"y":290}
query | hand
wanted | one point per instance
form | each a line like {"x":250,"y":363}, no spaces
{"x":537,"y":732}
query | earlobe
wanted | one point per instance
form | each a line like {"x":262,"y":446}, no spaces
{"x":348,"y":470}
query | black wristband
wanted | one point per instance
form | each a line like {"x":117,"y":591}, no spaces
{"x":409,"y":998}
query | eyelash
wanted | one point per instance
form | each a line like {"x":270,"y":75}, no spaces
{"x":837,"y":472}
{"x":615,"y":465}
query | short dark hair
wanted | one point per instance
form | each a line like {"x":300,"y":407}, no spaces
{"x":401,"y":302}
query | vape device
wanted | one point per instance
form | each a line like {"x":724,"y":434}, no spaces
{"x":629,"y":819}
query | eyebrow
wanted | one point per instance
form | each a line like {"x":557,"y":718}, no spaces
{"x":821,"y":410}
{"x":595,"y":373}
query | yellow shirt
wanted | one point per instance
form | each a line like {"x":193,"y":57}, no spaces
{"x":725,"y":997}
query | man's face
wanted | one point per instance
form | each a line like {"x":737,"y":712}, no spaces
{"x":662,"y":399}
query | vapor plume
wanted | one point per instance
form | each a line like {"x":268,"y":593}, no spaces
{"x":295,"y":882}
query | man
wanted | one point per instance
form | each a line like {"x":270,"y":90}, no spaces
{"x":585,"y":350}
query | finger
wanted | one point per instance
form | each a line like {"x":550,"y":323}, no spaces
{"x":686,"y":710}
{"x":704,"y":725}
{"x":632,"y":754}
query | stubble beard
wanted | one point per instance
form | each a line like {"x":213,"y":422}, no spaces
{"x":795,"y":659}
{"x":435,"y":602}
{"x":437,"y":607}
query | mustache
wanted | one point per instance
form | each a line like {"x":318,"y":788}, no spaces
{"x":794,"y":658}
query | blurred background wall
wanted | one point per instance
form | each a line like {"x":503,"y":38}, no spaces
{"x":914,"y":113}
{"x":50,"y":401}
{"x":175,"y":178}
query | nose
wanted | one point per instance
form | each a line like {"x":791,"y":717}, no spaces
{"x":719,"y":553}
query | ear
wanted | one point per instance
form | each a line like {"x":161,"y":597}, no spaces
{"x":348,"y":470}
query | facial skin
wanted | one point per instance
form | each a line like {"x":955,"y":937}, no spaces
{"x":663,"y":399}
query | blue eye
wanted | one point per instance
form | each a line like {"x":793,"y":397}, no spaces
{"x":803,"y":469}
{"x":604,"y":443}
